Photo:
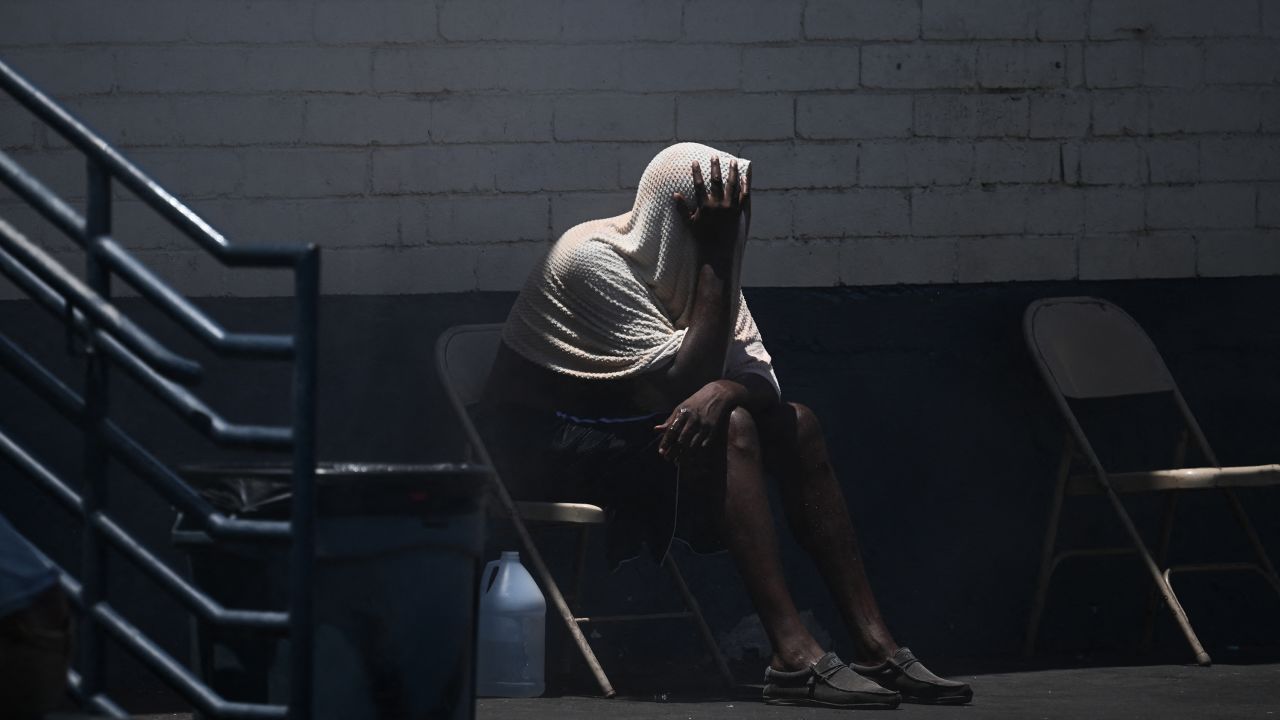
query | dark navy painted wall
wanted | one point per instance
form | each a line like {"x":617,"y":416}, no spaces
{"x":940,"y":431}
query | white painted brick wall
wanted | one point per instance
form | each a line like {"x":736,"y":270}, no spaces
{"x":746,"y":21}
{"x":828,"y":213}
{"x":970,"y":115}
{"x":440,"y":145}
{"x":918,"y":65}
{"x":1017,"y":161}
{"x":979,"y":19}
{"x":736,"y":117}
{"x":1114,"y":210}
{"x":1153,"y":255}
{"x":1269,"y":206}
{"x":860,"y":115}
{"x":1058,"y":115}
{"x":626,"y":21}
{"x":1113,"y":65}
{"x":869,"y":20}
{"x":1201,"y":206}
{"x":1055,"y":210}
{"x":910,"y":163}
{"x":1112,"y":162}
{"x":1024,"y":65}
{"x":615,"y":117}
{"x":1173,"y":64}
{"x":1003,"y":258}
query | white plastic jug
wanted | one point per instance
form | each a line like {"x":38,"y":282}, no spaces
{"x":513,"y":620}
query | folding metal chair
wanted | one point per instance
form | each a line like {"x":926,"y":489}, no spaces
{"x":1086,"y":349}
{"x":464,"y":356}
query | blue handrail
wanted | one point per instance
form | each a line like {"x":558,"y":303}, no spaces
{"x":25,"y":253}
{"x":111,"y":338}
{"x":189,"y":407}
{"x":177,"y":307}
{"x":134,"y":456}
{"x":147,"y":190}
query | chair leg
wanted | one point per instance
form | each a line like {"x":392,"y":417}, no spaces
{"x":707,"y":638}
{"x":1046,"y":554}
{"x":1162,"y":553}
{"x":575,"y":601}
{"x":580,"y":565}
{"x":1264,"y":561}
{"x":553,"y":592}
{"x":1158,"y":578}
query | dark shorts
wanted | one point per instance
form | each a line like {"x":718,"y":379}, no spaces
{"x":611,"y":462}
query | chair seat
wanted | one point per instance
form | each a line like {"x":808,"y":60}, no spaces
{"x":1201,"y":478}
{"x":564,"y":513}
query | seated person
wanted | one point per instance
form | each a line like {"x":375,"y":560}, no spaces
{"x":631,"y":375}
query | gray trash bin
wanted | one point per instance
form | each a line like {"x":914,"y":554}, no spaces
{"x":398,"y":553}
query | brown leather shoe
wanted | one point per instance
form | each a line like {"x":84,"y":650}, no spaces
{"x":906,"y":674}
{"x":826,"y":683}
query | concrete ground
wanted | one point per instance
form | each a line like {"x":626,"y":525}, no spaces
{"x":1168,"y":692}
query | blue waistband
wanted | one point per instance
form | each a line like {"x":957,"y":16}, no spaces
{"x":607,"y":420}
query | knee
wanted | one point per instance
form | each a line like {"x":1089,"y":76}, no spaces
{"x":744,"y":436}
{"x":808,"y":429}
{"x":792,"y":425}
{"x":794,"y":435}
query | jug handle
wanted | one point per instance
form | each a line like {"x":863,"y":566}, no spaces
{"x":487,"y":578}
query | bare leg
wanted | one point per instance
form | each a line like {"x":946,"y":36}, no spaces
{"x":747,"y":527}
{"x":796,"y":455}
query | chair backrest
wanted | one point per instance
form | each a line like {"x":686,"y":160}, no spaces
{"x":1089,"y":348}
{"x":464,"y":356}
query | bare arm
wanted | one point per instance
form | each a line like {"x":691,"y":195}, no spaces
{"x":719,"y":228}
{"x":695,"y":379}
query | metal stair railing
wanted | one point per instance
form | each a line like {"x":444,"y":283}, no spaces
{"x":111,"y":338}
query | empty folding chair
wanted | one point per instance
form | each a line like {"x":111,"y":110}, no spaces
{"x":1089,"y":349}
{"x":464,"y":356}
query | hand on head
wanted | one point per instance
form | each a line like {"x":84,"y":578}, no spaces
{"x":718,"y":206}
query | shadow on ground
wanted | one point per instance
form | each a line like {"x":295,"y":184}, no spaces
{"x":1093,"y":691}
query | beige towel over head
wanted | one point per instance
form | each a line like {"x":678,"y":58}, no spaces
{"x":611,"y":297}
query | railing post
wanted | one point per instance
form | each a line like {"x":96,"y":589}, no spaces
{"x":95,"y":456}
{"x":302,"y":522}
{"x":97,"y":320}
